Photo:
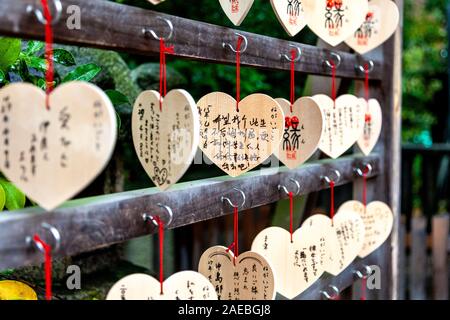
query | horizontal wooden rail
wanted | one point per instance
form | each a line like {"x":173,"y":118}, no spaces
{"x":108,"y":25}
{"x":93,"y":223}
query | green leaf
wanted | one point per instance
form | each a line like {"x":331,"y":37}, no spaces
{"x":86,"y":72}
{"x":41,"y":84}
{"x":2,"y":198}
{"x":117,"y":98}
{"x":33,"y":47}
{"x":9,"y":52}
{"x":2,"y":77}
{"x":63,"y":57}
{"x":36,"y":63}
{"x":15,"y":199}
{"x":119,"y":121}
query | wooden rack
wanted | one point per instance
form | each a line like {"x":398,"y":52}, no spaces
{"x":89,"y":224}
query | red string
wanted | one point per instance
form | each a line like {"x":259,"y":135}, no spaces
{"x":161,"y":252}
{"x":163,"y":50}
{"x":291,"y":214}
{"x":293,"y":56}
{"x":47,"y":266}
{"x":332,"y":200}
{"x":49,"y":75}
{"x":235,"y":244}
{"x":333,"y":82}
{"x":363,"y":289}
{"x":238,"y":71}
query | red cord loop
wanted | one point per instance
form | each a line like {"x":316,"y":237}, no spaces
{"x":163,"y":51}
{"x":49,"y":75}
{"x":363,"y":288}
{"x":332,"y":184}
{"x":333,"y":81}
{"x":47,"y":265}
{"x":235,"y":245}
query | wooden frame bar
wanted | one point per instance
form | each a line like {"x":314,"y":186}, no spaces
{"x":106,"y":25}
{"x":90,"y":224}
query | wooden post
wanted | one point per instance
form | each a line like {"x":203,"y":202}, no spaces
{"x":390,"y":182}
{"x":440,"y":230}
{"x":418,"y":259}
{"x":401,"y":293}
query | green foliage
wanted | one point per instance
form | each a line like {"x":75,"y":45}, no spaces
{"x":9,"y":52}
{"x":63,"y":57}
{"x":2,"y":198}
{"x":85,"y":72}
{"x":14,"y":198}
{"x":117,"y":98}
{"x":29,"y":64}
{"x":424,"y":68}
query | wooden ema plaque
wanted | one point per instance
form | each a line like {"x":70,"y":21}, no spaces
{"x":343,"y":123}
{"x":185,"y":285}
{"x":291,"y":15}
{"x":238,"y":141}
{"x":372,"y":126}
{"x":335,"y":20}
{"x":378,"y":222}
{"x":236,"y":10}
{"x":302,"y":131}
{"x":252,"y":277}
{"x":165,"y":140}
{"x":52,"y":154}
{"x":298,"y":263}
{"x":380,"y":23}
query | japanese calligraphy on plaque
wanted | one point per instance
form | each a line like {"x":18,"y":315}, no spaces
{"x":290,"y":14}
{"x":236,"y":10}
{"x":238,"y":141}
{"x":348,"y":232}
{"x":52,"y":154}
{"x":185,"y":285}
{"x":298,"y":263}
{"x":302,"y":131}
{"x":372,"y":126}
{"x":380,"y":23}
{"x":343,"y":123}
{"x":335,"y":20}
{"x":378,"y":222}
{"x":165,"y":139}
{"x":249,"y":277}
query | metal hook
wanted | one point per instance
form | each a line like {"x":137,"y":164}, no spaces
{"x":55,"y":234}
{"x":327,"y":295}
{"x":40,"y":16}
{"x":297,"y":184}
{"x":360,"y":275}
{"x":337,"y":61}
{"x":224,"y":44}
{"x":148,"y":217}
{"x":146,"y":31}
{"x":231,"y":203}
{"x":327,"y":179}
{"x":362,"y":68}
{"x":298,"y":56}
{"x":367,"y":170}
